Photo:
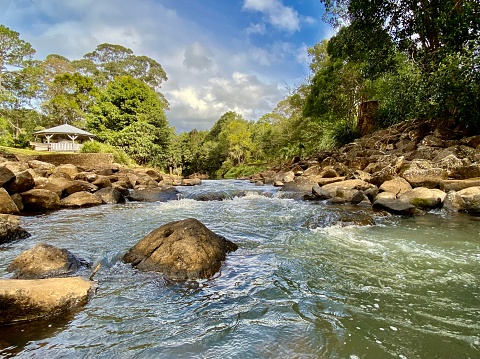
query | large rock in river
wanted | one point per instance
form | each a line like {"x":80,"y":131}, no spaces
{"x":154,"y":194}
{"x":45,"y":260}
{"x":10,"y":229}
{"x":182,"y":250}
{"x":22,"y":300}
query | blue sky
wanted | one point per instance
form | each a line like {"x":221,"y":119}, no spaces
{"x":219,"y":55}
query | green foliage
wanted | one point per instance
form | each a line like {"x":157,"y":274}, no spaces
{"x":129,"y":114}
{"x":244,"y":170}
{"x":97,"y":147}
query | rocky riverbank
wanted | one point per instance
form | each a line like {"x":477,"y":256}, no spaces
{"x":405,"y":169}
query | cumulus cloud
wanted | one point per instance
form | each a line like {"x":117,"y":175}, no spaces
{"x":278,"y":15}
{"x":209,"y":73}
{"x":197,"y":57}
{"x":240,"y":92}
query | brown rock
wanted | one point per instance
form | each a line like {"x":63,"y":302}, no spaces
{"x":81,"y":199}
{"x":457,"y":185}
{"x":6,"y":176}
{"x":79,"y":186}
{"x":424,"y":198}
{"x":40,"y":200}
{"x":42,"y":169}
{"x":69,"y":169}
{"x":7,"y":205}
{"x":23,"y":182}
{"x":423,"y":174}
{"x":192,"y":181}
{"x":24,"y":300}
{"x":10,"y":229}
{"x":45,"y":260}
{"x":182,"y":250}
{"x":397,"y":186}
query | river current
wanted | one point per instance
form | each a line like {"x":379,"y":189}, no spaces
{"x":309,"y":280}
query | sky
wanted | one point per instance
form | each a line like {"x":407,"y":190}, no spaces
{"x":219,"y":55}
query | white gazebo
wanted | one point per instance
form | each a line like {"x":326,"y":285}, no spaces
{"x":61,"y":138}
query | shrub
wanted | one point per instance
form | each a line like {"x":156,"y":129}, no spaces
{"x":98,"y":147}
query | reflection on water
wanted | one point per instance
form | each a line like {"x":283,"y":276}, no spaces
{"x":306,"y":282}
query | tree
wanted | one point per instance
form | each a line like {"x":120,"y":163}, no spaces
{"x":129,"y":114}
{"x":71,"y":96}
{"x":111,"y":61}
{"x":427,"y":29}
{"x":14,"y":52}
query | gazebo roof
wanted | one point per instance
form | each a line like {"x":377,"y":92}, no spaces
{"x":64,"y":130}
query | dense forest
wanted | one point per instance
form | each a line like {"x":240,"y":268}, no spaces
{"x":412,"y":59}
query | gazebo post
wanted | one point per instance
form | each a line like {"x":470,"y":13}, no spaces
{"x":48,"y":137}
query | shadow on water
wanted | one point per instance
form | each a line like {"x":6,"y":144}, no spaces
{"x":14,"y":337}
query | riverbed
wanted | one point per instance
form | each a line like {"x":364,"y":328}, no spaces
{"x":309,"y":280}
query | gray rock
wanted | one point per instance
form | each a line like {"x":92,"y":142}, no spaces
{"x":155,"y":194}
{"x":110,"y":195}
{"x":181,"y":250}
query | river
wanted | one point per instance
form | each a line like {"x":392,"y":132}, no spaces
{"x":301,"y":285}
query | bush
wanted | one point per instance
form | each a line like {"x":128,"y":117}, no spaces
{"x":98,"y":147}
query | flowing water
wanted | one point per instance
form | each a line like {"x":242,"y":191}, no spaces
{"x":306,"y":282}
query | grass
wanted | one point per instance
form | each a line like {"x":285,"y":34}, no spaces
{"x":26,"y":151}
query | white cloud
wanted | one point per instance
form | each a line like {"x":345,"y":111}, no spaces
{"x":197,"y":57}
{"x":209,"y":73}
{"x":277,"y":14}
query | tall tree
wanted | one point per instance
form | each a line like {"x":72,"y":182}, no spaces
{"x":14,"y":52}
{"x":426,"y":29}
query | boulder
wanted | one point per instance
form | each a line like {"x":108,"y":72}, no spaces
{"x":181,"y":250}
{"x":191,"y":181}
{"x":454,"y":202}
{"x":7,"y":205}
{"x":22,"y":182}
{"x":155,"y":175}
{"x":156,"y":194}
{"x":6,"y":176}
{"x":423,"y":198}
{"x":54,"y":184}
{"x":10,"y":229}
{"x":16,"y":166}
{"x":110,"y":195}
{"x":17,"y":198}
{"x":41,"y":168}
{"x":340,"y":189}
{"x":86,"y":176}
{"x":79,"y":186}
{"x":68,"y":168}
{"x":385,"y":174}
{"x":284,"y":177}
{"x":424,"y":175}
{"x":471,"y":197}
{"x":23,"y":300}
{"x":397,"y":186}
{"x":44,"y":261}
{"x":395,"y":206}
{"x":458,"y":185}
{"x":80,"y":199}
{"x":40,"y":200}
{"x":102,"y":182}
{"x":299,"y":185}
